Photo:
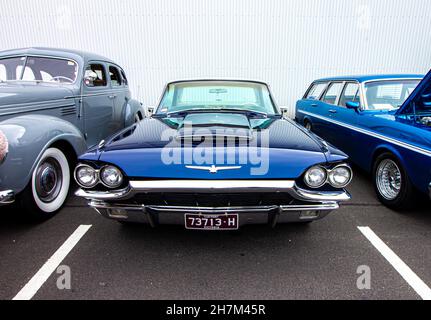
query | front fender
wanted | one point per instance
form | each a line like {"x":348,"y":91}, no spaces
{"x":28,"y":138}
{"x":130,"y":109}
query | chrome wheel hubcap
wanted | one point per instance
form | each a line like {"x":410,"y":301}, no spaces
{"x":49,"y":179}
{"x":308,"y":126}
{"x":388,"y":179}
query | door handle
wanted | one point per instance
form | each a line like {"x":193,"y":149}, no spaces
{"x":333,"y":111}
{"x":112,"y":96}
{"x":314,"y":105}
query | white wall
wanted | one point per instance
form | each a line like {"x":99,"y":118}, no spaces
{"x":287,"y":43}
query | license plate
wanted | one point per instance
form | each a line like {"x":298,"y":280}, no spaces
{"x":211,"y":222}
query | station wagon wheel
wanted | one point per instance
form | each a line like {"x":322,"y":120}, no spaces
{"x":391,"y":182}
{"x":308,"y":126}
{"x":49,"y":186}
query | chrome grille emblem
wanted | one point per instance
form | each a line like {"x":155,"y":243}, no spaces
{"x":213,"y":169}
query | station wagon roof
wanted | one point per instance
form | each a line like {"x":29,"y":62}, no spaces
{"x":365,"y":78}
{"x":56,"y":52}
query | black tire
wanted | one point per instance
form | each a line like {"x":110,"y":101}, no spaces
{"x":35,"y":202}
{"x":405,"y":197}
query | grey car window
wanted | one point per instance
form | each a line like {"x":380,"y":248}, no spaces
{"x":332,"y":93}
{"x":10,"y":68}
{"x":95,"y":76}
{"x":115,"y":76}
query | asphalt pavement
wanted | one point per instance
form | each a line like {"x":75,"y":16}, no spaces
{"x":318,"y":261}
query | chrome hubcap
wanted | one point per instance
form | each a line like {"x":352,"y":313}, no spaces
{"x":388,"y":179}
{"x":308,"y":126}
{"x":49,"y":179}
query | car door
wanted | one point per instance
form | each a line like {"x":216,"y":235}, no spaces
{"x":343,"y":117}
{"x":98,"y":104}
{"x":120,"y":97}
{"x":328,"y":106}
{"x":309,"y":108}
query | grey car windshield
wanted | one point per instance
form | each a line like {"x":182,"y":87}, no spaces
{"x":388,"y":95}
{"x":214,"y":95}
{"x":41,"y":69}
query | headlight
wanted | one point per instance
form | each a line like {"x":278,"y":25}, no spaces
{"x":111,"y":176}
{"x":86,"y":176}
{"x":315,"y":177}
{"x":340,"y":177}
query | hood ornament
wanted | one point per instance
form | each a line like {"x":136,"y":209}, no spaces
{"x":213,"y":169}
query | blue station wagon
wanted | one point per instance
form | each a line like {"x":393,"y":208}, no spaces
{"x":216,"y":155}
{"x":383,"y":123}
{"x":54,"y":104}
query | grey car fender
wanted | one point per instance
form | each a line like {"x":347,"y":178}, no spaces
{"x":29,"y":137}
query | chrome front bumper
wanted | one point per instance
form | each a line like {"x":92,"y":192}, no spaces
{"x":7,"y":197}
{"x":314,"y":204}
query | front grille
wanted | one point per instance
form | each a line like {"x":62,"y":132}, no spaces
{"x":211,"y":200}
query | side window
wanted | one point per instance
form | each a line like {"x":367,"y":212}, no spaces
{"x":95,"y":76}
{"x":350,"y":94}
{"x":125,"y":81}
{"x":115,"y":76}
{"x":316,"y":91}
{"x":332,"y":93}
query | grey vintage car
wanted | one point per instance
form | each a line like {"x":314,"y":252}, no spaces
{"x":54,"y":105}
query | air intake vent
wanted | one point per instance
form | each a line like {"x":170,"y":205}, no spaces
{"x":68,"y":111}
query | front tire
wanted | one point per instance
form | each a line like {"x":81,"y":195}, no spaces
{"x":391,"y":183}
{"x":47,"y":191}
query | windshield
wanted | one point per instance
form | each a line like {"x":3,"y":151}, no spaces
{"x":388,"y":95}
{"x":215,"y":95}
{"x":39,"y":69}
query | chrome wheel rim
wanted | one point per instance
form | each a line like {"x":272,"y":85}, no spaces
{"x":388,"y":179}
{"x":308,"y":126}
{"x":48,"y":180}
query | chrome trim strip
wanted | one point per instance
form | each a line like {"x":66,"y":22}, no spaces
{"x":328,"y":206}
{"x":371,"y":133}
{"x":215,"y":186}
{"x":7,"y":197}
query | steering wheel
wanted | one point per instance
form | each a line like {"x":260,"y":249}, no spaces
{"x":62,"y":77}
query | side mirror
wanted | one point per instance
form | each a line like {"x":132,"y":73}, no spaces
{"x":353,"y":105}
{"x":284,"y":112}
{"x":150,"y":112}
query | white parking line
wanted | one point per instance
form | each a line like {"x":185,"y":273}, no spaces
{"x":35,"y":283}
{"x":412,"y":279}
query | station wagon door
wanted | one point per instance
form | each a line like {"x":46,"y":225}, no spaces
{"x":98,"y":103}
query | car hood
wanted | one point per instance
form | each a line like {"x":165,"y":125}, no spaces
{"x":420,"y":99}
{"x":267,"y":132}
{"x":15,"y":93}
{"x":159,"y":148}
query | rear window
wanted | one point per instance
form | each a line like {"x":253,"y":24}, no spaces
{"x":316,"y":91}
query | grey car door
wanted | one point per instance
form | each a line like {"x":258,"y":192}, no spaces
{"x":119,"y":92}
{"x":98,"y":103}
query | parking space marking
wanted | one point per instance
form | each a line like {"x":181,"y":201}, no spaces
{"x":35,"y":283}
{"x":403,"y":269}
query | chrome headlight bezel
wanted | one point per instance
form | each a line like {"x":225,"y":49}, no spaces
{"x":333,"y":171}
{"x":95,"y":179}
{"x":321,"y":183}
{"x":108,"y":184}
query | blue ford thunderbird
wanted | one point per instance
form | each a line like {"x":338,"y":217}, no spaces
{"x":383,"y":123}
{"x":216,"y":155}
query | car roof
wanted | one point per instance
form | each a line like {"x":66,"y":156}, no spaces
{"x":56,"y":52}
{"x":365,"y":78}
{"x":217,"y":80}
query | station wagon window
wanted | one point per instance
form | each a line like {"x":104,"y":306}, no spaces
{"x":125,"y":81}
{"x":332,"y":93}
{"x":388,"y":95}
{"x":316,"y":91}
{"x":95,"y":76}
{"x":115,"y":76}
{"x":350,"y":94}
